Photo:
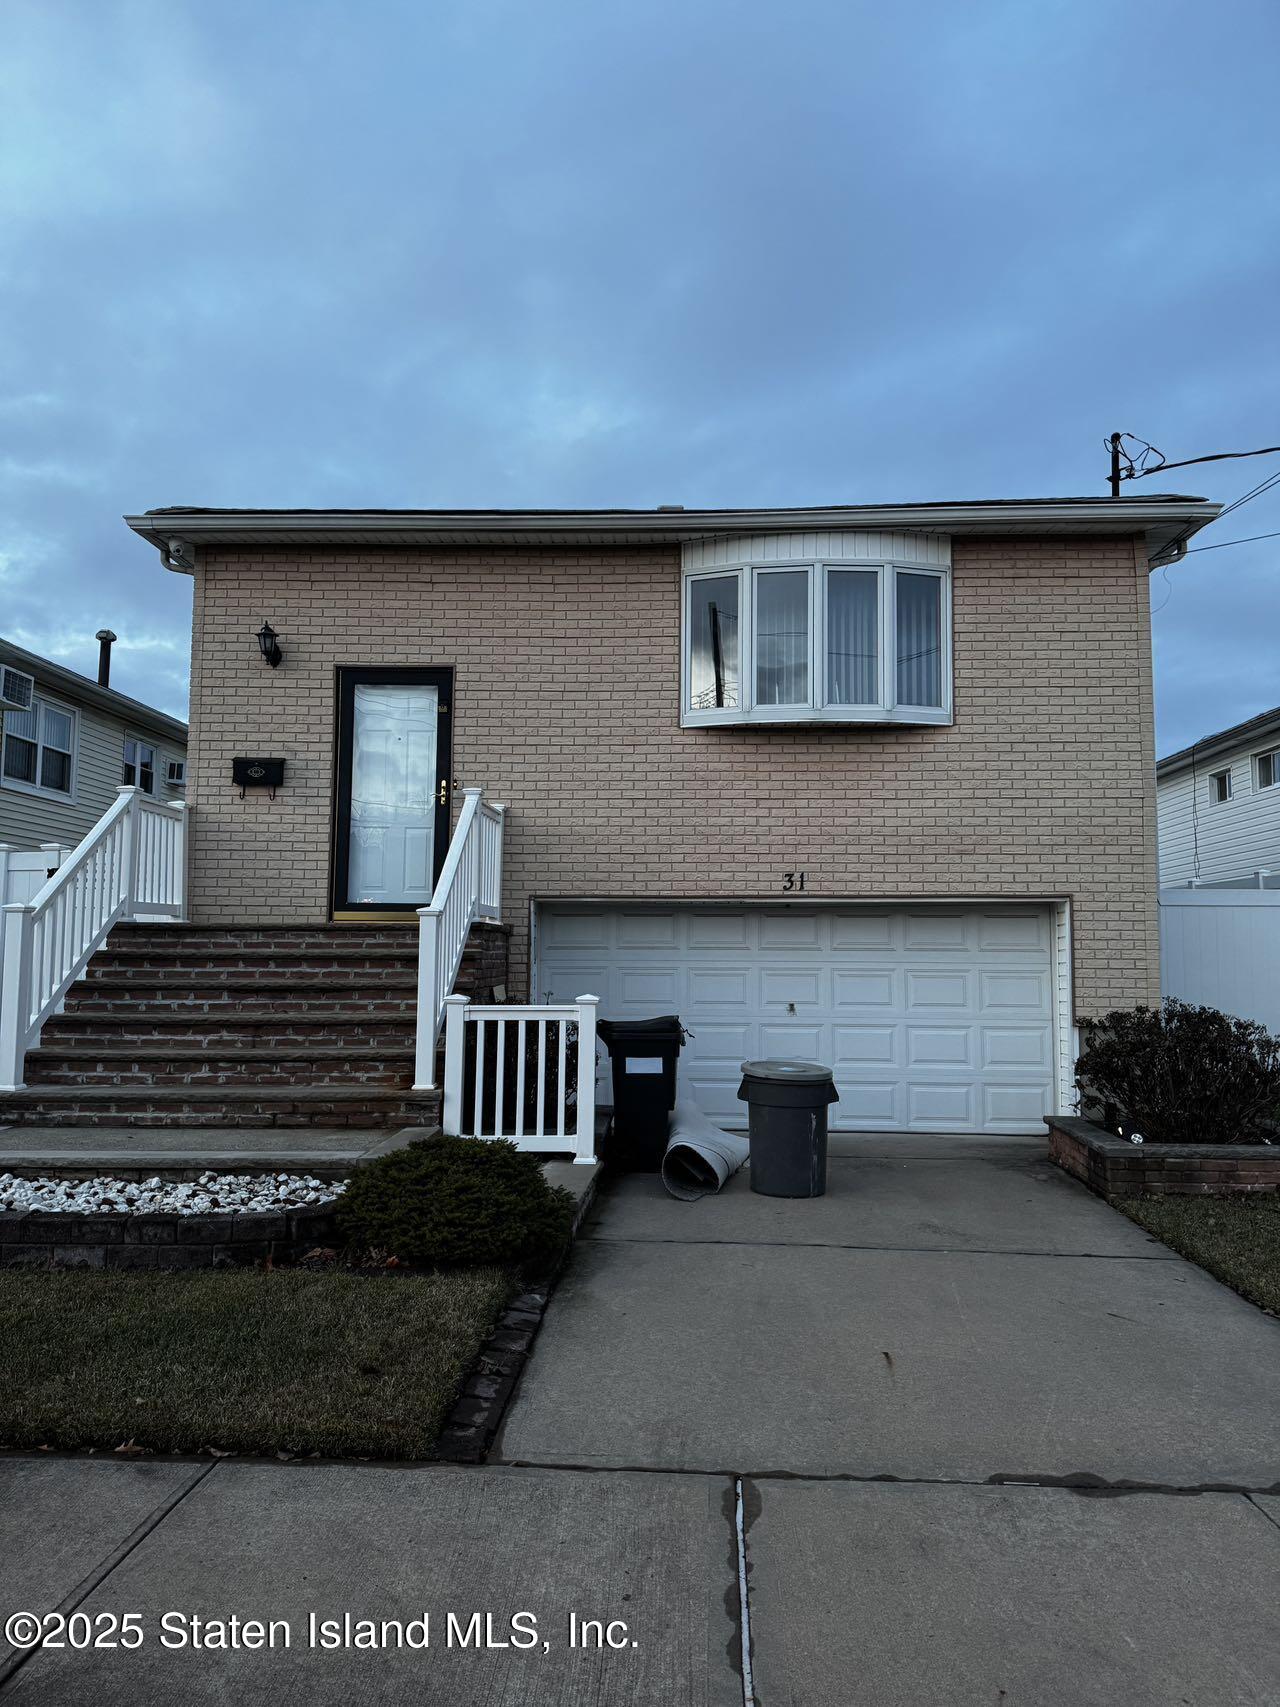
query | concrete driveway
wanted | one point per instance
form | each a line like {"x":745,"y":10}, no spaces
{"x":872,"y":1408}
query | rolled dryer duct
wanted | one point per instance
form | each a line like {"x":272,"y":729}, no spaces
{"x":700,"y":1155}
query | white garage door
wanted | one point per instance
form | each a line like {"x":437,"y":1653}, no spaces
{"x":934,"y":1019}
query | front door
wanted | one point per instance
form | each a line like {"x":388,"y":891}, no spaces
{"x":391,"y":826}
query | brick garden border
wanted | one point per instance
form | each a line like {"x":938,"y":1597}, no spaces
{"x":1115,"y":1168}
{"x":163,"y":1241}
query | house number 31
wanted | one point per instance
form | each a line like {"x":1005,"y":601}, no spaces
{"x":793,"y":880}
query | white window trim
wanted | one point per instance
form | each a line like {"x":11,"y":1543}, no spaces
{"x":178,"y":765}
{"x":1272,"y":753}
{"x":888,"y":711}
{"x":1213,"y":787}
{"x":69,"y":797}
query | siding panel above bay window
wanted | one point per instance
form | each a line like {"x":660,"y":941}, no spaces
{"x":932,"y":549}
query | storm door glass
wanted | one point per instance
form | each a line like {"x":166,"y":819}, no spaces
{"x":391,"y":856}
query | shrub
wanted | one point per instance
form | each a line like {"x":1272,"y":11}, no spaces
{"x":1180,"y":1074}
{"x":449,"y":1202}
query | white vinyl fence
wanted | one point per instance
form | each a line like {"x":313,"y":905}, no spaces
{"x":527,"y":1074}
{"x":23,"y":873}
{"x":1220,"y":948}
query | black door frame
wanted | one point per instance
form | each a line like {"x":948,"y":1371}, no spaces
{"x":349,"y":676}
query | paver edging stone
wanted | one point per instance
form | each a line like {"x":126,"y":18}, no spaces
{"x":472,"y":1425}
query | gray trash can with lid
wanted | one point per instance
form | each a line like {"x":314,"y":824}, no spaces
{"x":787,"y":1104}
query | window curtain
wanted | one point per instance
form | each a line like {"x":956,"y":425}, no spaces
{"x":713,"y":643}
{"x":919,"y":640}
{"x":782,"y":638}
{"x":853,"y":623}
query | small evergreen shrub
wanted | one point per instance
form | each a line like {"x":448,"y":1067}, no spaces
{"x":1180,"y":1074}
{"x":453,"y":1202}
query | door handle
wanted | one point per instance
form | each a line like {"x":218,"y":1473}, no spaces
{"x":442,"y":793}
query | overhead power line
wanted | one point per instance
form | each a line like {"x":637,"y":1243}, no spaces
{"x":1223,"y":543}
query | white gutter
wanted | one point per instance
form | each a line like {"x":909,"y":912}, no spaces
{"x":175,"y":533}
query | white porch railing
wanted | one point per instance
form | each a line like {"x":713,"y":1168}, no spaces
{"x":131,"y":865}
{"x":507,"y":1075}
{"x":469,"y":888}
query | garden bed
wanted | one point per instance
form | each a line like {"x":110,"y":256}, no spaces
{"x":1113,"y":1167}
{"x":1237,"y":1238}
{"x":331,"y":1363}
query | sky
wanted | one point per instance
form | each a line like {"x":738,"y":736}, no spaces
{"x":417,"y":252}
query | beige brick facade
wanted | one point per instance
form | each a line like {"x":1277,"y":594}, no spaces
{"x":566,"y":707}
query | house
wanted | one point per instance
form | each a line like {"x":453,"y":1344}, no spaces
{"x":1218,"y":809}
{"x":70,"y":743}
{"x":869,"y":784}
{"x":1218,"y":805}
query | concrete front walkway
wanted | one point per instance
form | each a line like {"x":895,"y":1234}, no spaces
{"x":970,"y":1436}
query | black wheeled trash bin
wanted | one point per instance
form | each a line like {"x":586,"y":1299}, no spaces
{"x":787,"y":1104}
{"x":643,"y":1053}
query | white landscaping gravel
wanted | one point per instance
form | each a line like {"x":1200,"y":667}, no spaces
{"x":210,"y":1194}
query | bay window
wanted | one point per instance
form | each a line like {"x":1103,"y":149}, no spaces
{"x":817,"y":642}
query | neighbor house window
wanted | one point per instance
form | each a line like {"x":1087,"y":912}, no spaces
{"x":1268,"y":768}
{"x":39,"y":748}
{"x":817,"y":642}
{"x":139,"y":769}
{"x":177,"y":773}
{"x":1220,"y":787}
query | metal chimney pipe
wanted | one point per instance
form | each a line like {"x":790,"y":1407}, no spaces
{"x":104,"y":637}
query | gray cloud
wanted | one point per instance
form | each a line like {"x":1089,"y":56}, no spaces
{"x":487,"y":253}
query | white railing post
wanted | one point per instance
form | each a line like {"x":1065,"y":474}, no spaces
{"x":424,"y":1068}
{"x":585,"y":1150}
{"x":181,"y":821}
{"x":15,"y":993}
{"x":5,"y":851}
{"x":499,"y":827}
{"x":130,"y":855}
{"x":455,"y":1021}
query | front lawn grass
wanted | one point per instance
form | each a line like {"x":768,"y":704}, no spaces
{"x":1235,"y":1236}
{"x":348,"y":1365}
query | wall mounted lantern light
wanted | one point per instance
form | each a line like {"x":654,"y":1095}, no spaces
{"x":269,"y":644}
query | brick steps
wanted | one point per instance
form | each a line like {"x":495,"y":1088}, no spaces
{"x":127,"y":1029}
{"x":179,"y":1026}
{"x":251,"y":1106}
{"x":91,"y":1065}
{"x":354,"y":962}
{"x":200,"y":937}
{"x":248,"y":1006}
{"x":192,"y":985}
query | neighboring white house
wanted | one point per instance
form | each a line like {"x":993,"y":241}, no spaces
{"x":1218,"y":807}
{"x":67,"y":744}
{"x":1218,"y":812}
